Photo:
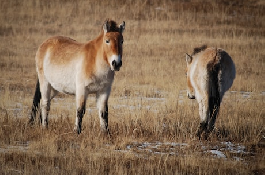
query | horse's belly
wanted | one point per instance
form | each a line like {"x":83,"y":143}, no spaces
{"x":61,"y":80}
{"x":64,"y":87}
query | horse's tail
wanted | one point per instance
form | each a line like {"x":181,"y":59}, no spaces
{"x":214,"y":91}
{"x":36,"y":103}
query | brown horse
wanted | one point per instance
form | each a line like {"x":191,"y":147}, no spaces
{"x":210,"y":73}
{"x":65,"y":65}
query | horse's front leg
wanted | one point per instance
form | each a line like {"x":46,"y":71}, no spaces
{"x":102,"y":104}
{"x":81,"y":109}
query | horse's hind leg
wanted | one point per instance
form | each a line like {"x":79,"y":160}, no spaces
{"x":202,"y":127}
{"x":45,"y":88}
{"x":214,"y":109}
{"x":36,"y":103}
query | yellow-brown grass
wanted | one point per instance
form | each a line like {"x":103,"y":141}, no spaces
{"x":147,"y":103}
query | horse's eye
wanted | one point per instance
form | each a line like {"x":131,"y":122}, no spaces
{"x":107,"y":41}
{"x":121,"y":41}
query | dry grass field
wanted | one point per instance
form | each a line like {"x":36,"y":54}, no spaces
{"x":151,"y":120}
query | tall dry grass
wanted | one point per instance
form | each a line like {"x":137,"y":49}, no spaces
{"x":147,"y":102}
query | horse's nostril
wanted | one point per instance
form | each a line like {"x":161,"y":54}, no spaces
{"x":191,"y":96}
{"x":113,"y":62}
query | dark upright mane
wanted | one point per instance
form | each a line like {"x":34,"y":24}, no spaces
{"x":112,"y":26}
{"x":199,"y":49}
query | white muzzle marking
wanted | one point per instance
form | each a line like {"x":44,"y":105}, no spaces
{"x":115,"y":62}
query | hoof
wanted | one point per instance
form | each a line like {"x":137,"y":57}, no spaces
{"x":31,"y":121}
{"x":77,"y":129}
{"x":105,"y":132}
{"x":199,"y":133}
{"x":45,"y":124}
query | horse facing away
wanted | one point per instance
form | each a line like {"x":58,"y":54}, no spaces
{"x":65,"y":65}
{"x":210,"y":73}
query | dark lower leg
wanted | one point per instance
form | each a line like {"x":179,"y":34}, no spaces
{"x":201,"y":128}
{"x":80,"y":114}
{"x":44,"y":115}
{"x":213,"y":119}
{"x":104,"y":119}
{"x":214,"y":109}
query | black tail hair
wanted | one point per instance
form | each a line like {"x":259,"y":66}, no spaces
{"x":36,"y":103}
{"x":214,"y":100}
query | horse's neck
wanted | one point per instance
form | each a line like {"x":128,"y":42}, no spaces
{"x":98,"y":40}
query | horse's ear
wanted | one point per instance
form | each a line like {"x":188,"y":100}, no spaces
{"x":188,"y":58}
{"x":122,"y":26}
{"x":106,"y":26}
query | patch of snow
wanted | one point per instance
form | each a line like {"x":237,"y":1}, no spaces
{"x":219,"y":154}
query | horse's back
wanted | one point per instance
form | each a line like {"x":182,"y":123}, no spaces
{"x":61,"y":50}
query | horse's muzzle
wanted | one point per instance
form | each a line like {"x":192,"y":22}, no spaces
{"x":116,"y":65}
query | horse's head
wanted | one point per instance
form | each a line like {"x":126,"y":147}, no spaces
{"x":112,"y":44}
{"x":190,"y":89}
